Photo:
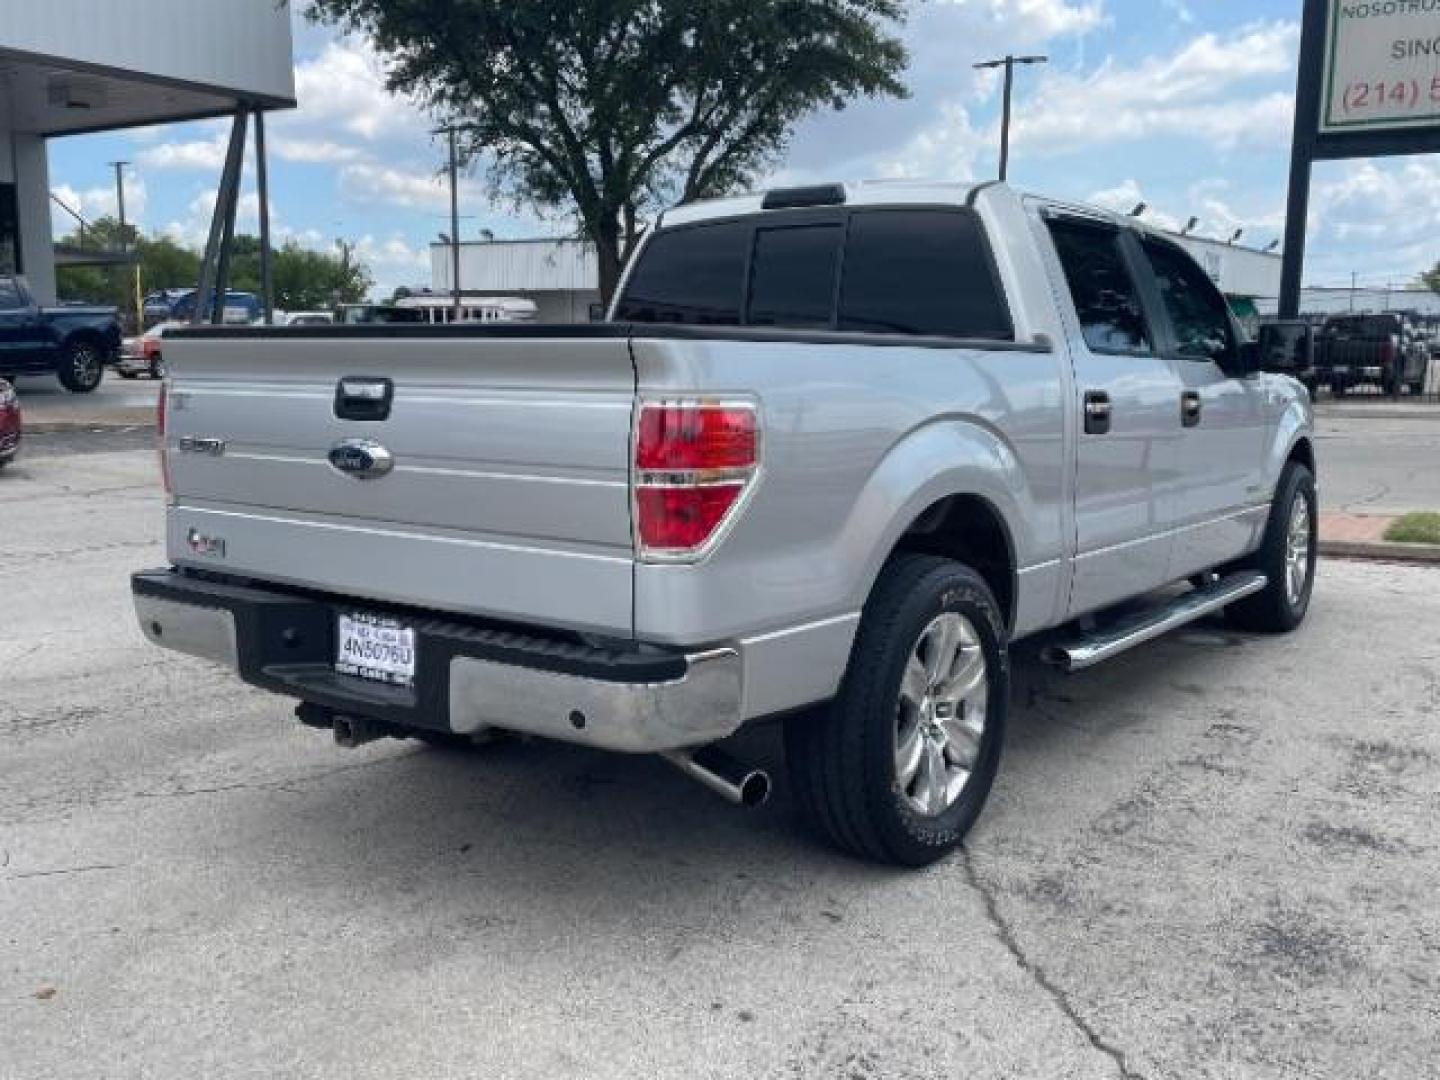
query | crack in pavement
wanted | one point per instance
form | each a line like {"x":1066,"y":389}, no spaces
{"x":61,"y":873}
{"x":1006,"y":935}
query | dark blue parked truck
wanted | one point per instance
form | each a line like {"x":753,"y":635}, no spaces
{"x":72,"y":343}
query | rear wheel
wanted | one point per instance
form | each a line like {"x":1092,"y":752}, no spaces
{"x":1287,"y":558}
{"x":157,"y":367}
{"x":82,"y":368}
{"x":899,"y":768}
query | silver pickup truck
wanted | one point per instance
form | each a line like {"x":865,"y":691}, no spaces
{"x":836,"y":449}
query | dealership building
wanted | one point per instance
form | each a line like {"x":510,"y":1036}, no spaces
{"x":70,"y":67}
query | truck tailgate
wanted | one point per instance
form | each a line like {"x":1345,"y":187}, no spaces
{"x":508,"y":496}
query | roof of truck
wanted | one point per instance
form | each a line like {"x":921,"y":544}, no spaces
{"x":857,"y":193}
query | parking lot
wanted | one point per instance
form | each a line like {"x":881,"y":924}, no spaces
{"x":1214,"y":858}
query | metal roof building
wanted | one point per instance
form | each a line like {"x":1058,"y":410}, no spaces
{"x":76,"y":66}
{"x":561,"y":276}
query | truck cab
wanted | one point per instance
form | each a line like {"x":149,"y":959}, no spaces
{"x":74,"y":343}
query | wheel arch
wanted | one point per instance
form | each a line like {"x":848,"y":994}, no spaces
{"x":956,"y":488}
{"x":970,"y":529}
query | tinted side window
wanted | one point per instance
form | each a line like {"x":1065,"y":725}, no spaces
{"x":921,"y":272}
{"x":1106,"y":298}
{"x":792,"y":282}
{"x":691,"y":275}
{"x":9,"y":296}
{"x":1199,"y":314}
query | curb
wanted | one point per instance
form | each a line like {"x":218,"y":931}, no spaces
{"x":1379,"y":550}
{"x":1394,"y":413}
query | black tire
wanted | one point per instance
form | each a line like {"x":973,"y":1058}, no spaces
{"x":1274,"y":611}
{"x":842,"y":760}
{"x":157,"y":367}
{"x":82,"y":368}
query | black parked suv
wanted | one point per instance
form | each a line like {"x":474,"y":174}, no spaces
{"x":1379,"y":350}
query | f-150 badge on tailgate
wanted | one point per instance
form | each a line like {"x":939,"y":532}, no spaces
{"x":363,"y":459}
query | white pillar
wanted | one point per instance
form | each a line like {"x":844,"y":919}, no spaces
{"x":37,"y":246}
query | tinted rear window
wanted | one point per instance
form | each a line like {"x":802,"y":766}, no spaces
{"x":692,"y":275}
{"x":792,"y":282}
{"x":921,"y":272}
{"x":915,"y":272}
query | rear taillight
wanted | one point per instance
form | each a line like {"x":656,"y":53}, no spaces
{"x":695,"y":460}
{"x":162,"y":410}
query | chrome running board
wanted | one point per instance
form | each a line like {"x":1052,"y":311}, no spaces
{"x":1132,"y":630}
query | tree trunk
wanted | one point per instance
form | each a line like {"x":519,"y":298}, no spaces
{"x":607,"y":248}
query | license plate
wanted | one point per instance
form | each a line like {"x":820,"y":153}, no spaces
{"x":374,"y":648}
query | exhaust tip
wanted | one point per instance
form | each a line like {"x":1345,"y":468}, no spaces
{"x":755,"y":790}
{"x":731,"y":780}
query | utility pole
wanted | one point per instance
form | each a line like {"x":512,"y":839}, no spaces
{"x":119,"y":167}
{"x":1008,"y":62}
{"x":455,"y":221}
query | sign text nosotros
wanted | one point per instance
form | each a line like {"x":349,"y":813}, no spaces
{"x":1382,"y":65}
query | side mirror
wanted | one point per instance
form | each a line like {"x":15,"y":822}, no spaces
{"x":1286,"y":348}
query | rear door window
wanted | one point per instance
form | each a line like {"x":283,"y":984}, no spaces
{"x":1106,"y":298}
{"x":922,"y":272}
{"x":9,"y":296}
{"x":793,"y":279}
{"x":693,"y":276}
{"x":1199,"y":315}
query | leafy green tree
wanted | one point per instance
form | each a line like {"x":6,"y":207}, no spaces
{"x":1431,"y":278}
{"x":304,"y":280}
{"x":610,"y":108}
{"x":164,"y":264}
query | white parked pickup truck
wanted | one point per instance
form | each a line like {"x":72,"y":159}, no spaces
{"x":836,"y":449}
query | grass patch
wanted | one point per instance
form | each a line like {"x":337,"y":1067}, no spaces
{"x":1415,"y":529}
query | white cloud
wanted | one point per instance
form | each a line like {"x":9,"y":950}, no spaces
{"x":1181,"y":10}
{"x":1047,"y":18}
{"x":1203,"y":92}
{"x":947,"y":149}
{"x":343,"y":91}
{"x":202,"y":154}
{"x":1126,"y":196}
{"x":415,"y":189}
{"x":96,"y":202}
{"x":1378,"y":220}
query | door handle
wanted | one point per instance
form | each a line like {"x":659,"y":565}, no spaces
{"x":1191,"y":408}
{"x":362,"y":398}
{"x":1097,"y":413}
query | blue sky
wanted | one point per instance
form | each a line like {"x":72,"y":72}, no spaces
{"x":1186,"y":104}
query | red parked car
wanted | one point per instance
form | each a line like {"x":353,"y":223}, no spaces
{"x":9,"y":424}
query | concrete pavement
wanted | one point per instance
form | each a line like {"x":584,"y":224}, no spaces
{"x":1216,"y":857}
{"x":117,"y":403}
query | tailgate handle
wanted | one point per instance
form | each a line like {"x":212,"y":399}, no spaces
{"x":363,"y":398}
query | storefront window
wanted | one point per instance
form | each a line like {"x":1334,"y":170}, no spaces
{"x":9,"y":231}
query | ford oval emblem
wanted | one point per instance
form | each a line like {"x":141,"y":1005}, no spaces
{"x":363,"y":459}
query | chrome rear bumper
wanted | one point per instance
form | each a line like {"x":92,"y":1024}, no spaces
{"x":469,"y":678}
